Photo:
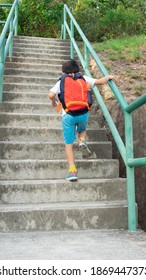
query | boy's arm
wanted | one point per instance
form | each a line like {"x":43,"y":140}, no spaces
{"x":53,"y":98}
{"x":104,"y":80}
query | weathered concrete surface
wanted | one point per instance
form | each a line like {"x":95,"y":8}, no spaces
{"x":30,"y":107}
{"x":31,"y":120}
{"x":74,"y":245}
{"x":20,"y":71}
{"x":63,"y":216}
{"x":41,"y":51}
{"x":31,"y":156}
{"x":44,"y":169}
{"x":32,"y":97}
{"x":44,"y":134}
{"x":40,"y":40}
{"x":42,"y":191}
{"x":48,"y":150}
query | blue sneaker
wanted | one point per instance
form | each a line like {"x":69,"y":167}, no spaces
{"x":72,"y":177}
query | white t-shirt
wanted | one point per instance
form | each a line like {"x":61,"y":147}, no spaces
{"x":56,"y":87}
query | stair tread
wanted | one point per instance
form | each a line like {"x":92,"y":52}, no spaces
{"x":29,"y":77}
{"x":59,"y":160}
{"x":25,"y":103}
{"x":29,"y":64}
{"x":61,"y":206}
{"x":31,"y":38}
{"x":62,"y":181}
{"x":30,"y":114}
{"x":30,"y":84}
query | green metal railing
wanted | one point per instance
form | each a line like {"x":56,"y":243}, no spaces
{"x":6,"y":38}
{"x":126,"y":150}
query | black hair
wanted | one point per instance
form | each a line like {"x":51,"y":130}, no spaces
{"x":70,"y":66}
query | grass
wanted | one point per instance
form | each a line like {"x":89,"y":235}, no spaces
{"x":128,"y":48}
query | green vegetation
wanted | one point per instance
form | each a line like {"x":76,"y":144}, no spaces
{"x":111,"y":19}
{"x":100,"y":20}
{"x":128,"y":48}
{"x":40,"y":18}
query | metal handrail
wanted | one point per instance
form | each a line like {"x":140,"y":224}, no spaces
{"x":6,"y":5}
{"x":6,"y":39}
{"x":126,"y":150}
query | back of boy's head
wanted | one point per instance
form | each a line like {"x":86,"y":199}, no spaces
{"x":70,"y":67}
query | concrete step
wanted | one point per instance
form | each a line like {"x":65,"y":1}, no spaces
{"x":16,"y":66}
{"x":44,"y":56}
{"x":43,"y":51}
{"x":44,"y":134}
{"x":32,"y":73}
{"x":30,"y":108}
{"x":18,"y":46}
{"x":45,"y":46}
{"x":33,"y":97}
{"x":54,"y":191}
{"x":67,"y":216}
{"x":40,"y":40}
{"x":44,"y":169}
{"x":25,"y":96}
{"x":28,"y":88}
{"x":48,"y":150}
{"x":10,"y":79}
{"x":31,"y":120}
{"x":35,"y":60}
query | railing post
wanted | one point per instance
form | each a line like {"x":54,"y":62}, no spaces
{"x":86,"y":56}
{"x":72,"y":36}
{"x":2,"y":54}
{"x":132,"y":217}
{"x":16,"y":16}
{"x":64,"y":30}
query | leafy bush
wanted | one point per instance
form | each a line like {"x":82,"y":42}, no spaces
{"x":120,"y":22}
{"x":88,"y":21}
{"x":40,"y":18}
{"x":110,"y":19}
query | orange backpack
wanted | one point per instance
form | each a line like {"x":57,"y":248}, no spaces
{"x":74,"y":94}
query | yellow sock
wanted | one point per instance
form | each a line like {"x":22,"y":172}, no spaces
{"x":73,"y":169}
{"x":81,"y":139}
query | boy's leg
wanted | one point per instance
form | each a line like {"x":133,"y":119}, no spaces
{"x":81,"y":129}
{"x":69,"y":137}
{"x":72,"y":172}
{"x":69,"y":152}
{"x":86,"y":153}
{"x":82,"y":134}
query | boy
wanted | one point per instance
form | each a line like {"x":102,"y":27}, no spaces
{"x":72,"y":124}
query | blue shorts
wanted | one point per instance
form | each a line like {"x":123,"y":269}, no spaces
{"x":73,"y":124}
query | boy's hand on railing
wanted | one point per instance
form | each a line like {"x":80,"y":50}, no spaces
{"x":111,"y":77}
{"x":104,"y":80}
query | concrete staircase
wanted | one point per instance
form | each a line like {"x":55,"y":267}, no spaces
{"x":33,"y":192}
